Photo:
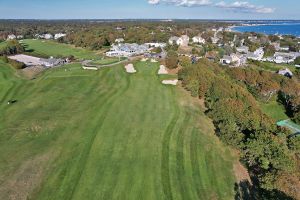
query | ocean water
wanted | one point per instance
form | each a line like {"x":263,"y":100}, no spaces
{"x":272,"y":29}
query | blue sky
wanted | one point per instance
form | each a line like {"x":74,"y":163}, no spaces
{"x":163,"y":9}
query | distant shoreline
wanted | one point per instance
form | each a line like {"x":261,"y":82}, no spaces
{"x":296,"y":33}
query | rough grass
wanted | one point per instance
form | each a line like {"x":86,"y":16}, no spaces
{"x":273,"y":67}
{"x":47,"y":48}
{"x":107,"y":135}
{"x":2,"y":44}
{"x":274,"y":110}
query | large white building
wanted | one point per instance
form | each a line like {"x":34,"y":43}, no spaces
{"x":127,"y":50}
{"x":281,"y":57}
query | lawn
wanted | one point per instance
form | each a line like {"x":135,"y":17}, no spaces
{"x":2,"y":44}
{"x":106,"y":61}
{"x":274,"y":110}
{"x":273,"y":67}
{"x":76,"y":134}
{"x":47,"y":48}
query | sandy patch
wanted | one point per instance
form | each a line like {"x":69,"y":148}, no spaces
{"x":144,"y":59}
{"x":162,"y":70}
{"x":241,"y":173}
{"x":154,"y":61}
{"x":170,"y":82}
{"x":130,"y":68}
{"x":89,"y":68}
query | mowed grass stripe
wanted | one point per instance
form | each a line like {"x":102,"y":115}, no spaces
{"x":112,"y":135}
{"x":95,"y":123}
{"x":182,"y":178}
{"x":165,"y":162}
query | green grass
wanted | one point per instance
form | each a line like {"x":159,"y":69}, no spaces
{"x":2,"y":44}
{"x":46,"y":48}
{"x":76,"y":134}
{"x":273,"y":67}
{"x":274,"y":110}
{"x":106,"y":61}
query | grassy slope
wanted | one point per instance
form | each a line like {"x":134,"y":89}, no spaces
{"x":273,"y":67}
{"x":2,"y":44}
{"x":274,"y":110}
{"x":107,"y":135}
{"x":51,"y":48}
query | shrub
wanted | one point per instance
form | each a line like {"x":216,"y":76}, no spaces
{"x":172,"y":60}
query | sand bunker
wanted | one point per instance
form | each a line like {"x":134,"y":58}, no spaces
{"x":170,"y":82}
{"x":89,"y":68}
{"x":144,"y":59}
{"x":162,"y":70}
{"x":130,"y":68}
{"x":154,"y":61}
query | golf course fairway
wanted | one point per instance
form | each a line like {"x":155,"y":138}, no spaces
{"x":107,"y":134}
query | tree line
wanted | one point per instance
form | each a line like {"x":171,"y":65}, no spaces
{"x":270,"y":155}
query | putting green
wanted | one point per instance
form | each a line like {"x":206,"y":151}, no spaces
{"x":75,"y":134}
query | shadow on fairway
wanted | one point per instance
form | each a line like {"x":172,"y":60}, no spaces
{"x":246,"y":191}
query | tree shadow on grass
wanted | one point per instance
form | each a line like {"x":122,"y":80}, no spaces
{"x":246,"y":191}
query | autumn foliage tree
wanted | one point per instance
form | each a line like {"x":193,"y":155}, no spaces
{"x":239,"y":120}
{"x":172,"y":60}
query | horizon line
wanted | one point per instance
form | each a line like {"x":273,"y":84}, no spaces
{"x":210,"y":19}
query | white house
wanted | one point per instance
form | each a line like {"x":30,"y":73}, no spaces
{"x":252,"y":38}
{"x":199,"y":40}
{"x":181,"y":41}
{"x":215,"y":39}
{"x":59,"y":35}
{"x":173,"y":40}
{"x":19,"y":37}
{"x":156,"y":44}
{"x":11,"y":37}
{"x":285,"y":72}
{"x":242,"y":49}
{"x":119,"y":40}
{"x":256,"y":55}
{"x":48,"y":36}
{"x":234,"y":59}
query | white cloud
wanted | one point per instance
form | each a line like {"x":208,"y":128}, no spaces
{"x":244,"y":6}
{"x":185,"y":3}
{"x":238,"y":6}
